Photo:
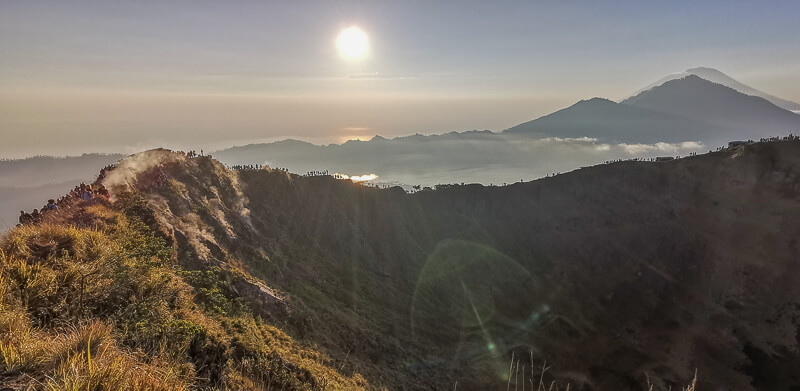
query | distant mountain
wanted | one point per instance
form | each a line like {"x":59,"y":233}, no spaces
{"x":737,"y":114}
{"x":690,"y":108}
{"x":609,"y":121}
{"x":471,"y":157}
{"x":716,"y":76}
{"x":43,"y":170}
{"x":679,"y":116}
{"x":415,"y":159}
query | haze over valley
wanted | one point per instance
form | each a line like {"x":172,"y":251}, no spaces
{"x":681,"y":116}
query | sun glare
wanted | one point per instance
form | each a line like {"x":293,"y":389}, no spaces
{"x":352,"y":43}
{"x":357,"y":178}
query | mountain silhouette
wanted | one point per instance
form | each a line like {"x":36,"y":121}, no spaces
{"x":738,"y":115}
{"x":690,"y":108}
{"x":613,"y":122}
{"x":678,"y":117}
{"x":716,"y":76}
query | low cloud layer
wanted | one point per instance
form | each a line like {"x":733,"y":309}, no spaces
{"x":470,"y":157}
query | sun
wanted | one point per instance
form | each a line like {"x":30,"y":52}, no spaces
{"x":352,"y":43}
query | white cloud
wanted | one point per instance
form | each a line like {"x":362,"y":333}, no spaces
{"x":642,"y":149}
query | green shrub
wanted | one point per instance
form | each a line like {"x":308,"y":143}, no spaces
{"x":213,"y":292}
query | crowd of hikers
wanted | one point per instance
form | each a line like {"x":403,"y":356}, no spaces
{"x":82,"y":192}
{"x":104,"y":171}
{"x":790,"y":137}
{"x":254,"y":167}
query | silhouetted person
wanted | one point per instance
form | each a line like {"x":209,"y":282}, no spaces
{"x":24,"y":217}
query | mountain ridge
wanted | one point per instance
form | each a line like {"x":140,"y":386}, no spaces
{"x":386,"y":255}
{"x":614,"y":122}
{"x":737,"y":114}
{"x":607,"y":264}
{"x":716,"y":76}
{"x":688,"y":108}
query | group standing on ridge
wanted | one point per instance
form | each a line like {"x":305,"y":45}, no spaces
{"x":731,"y":144}
{"x":82,"y":192}
{"x":104,"y":171}
{"x":193,"y":154}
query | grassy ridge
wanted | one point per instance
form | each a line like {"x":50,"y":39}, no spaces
{"x":93,"y":299}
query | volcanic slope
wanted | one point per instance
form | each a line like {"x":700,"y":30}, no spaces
{"x":654,"y":267}
{"x":608,"y":272}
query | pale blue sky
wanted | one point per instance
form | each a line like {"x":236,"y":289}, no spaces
{"x":107,"y":75}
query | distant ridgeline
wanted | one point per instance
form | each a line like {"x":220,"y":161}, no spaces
{"x":687,"y":112}
{"x":197,"y":276}
{"x":688,"y":108}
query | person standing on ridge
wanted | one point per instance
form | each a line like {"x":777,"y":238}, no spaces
{"x":24,"y":217}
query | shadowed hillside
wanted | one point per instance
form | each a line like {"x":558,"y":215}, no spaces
{"x":608,"y":273}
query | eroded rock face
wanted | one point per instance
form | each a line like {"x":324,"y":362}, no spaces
{"x":201,"y":207}
{"x":607,"y":272}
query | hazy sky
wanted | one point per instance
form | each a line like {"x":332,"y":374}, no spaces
{"x":79,"y":76}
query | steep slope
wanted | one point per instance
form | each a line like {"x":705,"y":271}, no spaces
{"x":740,"y":116}
{"x":93,"y":297}
{"x":607,"y":272}
{"x":612,"y":122}
{"x":718,"y":77}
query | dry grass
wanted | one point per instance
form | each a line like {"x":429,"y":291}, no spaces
{"x":102,"y":366}
{"x":103,"y":307}
{"x":84,"y":357}
{"x":535,"y":381}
